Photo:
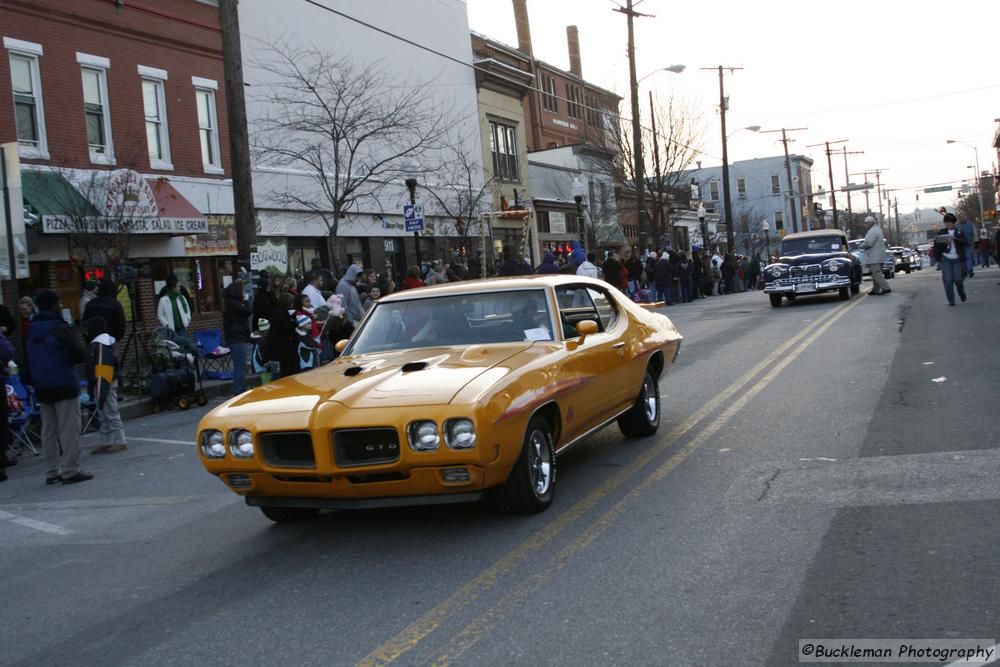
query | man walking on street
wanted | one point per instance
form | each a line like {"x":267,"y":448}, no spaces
{"x":950,"y":247}
{"x":52,"y":356}
{"x":874,"y":255}
{"x":968,"y":230}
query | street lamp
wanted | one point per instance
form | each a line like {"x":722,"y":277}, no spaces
{"x":982,"y":216}
{"x":579,"y":191}
{"x":411,"y":185}
{"x":704,"y":227}
{"x":675,"y":69}
{"x":752,"y":128}
{"x":766,"y":227}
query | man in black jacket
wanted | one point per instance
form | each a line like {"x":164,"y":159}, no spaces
{"x":52,"y":356}
{"x":106,"y":305}
{"x":236,"y":326}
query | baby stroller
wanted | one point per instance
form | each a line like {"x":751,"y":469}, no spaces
{"x":176,"y":378}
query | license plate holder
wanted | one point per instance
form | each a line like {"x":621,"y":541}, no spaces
{"x":805,"y":287}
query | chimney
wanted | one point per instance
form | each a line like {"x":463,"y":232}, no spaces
{"x":523,"y":26}
{"x":573,"y":40}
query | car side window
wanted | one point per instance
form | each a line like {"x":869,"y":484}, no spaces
{"x":575,"y":305}
{"x":605,"y":308}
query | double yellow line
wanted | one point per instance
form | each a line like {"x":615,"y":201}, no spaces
{"x":413,"y":634}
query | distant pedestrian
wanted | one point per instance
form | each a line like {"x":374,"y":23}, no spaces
{"x":436,"y":274}
{"x":589,"y":266}
{"x":664,"y":278}
{"x":173,"y":310}
{"x":874,"y":255}
{"x":27,"y":310}
{"x":613,"y":271}
{"x":102,"y":383}
{"x":52,"y":356}
{"x":88,"y":294}
{"x":236,"y":316}
{"x":950,"y":246}
{"x":985,"y":249}
{"x":327,"y":282}
{"x":412,"y":279}
{"x":684,"y":271}
{"x":548,"y":264}
{"x":634,"y":267}
{"x":107,"y":305}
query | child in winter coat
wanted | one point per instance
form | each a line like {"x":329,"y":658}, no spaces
{"x":102,"y":370}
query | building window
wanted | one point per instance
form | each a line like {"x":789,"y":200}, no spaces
{"x":741,"y":188}
{"x":713,"y":190}
{"x":208,"y":125}
{"x":549,"y":100}
{"x":154,"y":106}
{"x":779,"y":220}
{"x":503,"y":148}
{"x":29,"y":114}
{"x":573,"y":101}
{"x":775,"y":185}
{"x":96,"y":109}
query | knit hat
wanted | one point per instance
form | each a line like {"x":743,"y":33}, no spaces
{"x":263,"y":324}
{"x":47,"y":300}
{"x":303,"y":324}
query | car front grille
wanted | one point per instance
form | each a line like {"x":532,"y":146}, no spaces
{"x":808,"y":279}
{"x":288,"y":449}
{"x":805,"y":271}
{"x":365,"y":446}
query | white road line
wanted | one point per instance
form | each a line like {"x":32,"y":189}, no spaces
{"x":42,"y":526}
{"x":992,"y":651}
{"x":164,"y":441}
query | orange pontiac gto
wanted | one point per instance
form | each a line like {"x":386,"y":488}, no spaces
{"x":447,"y":394}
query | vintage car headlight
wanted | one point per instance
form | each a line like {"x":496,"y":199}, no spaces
{"x":424,"y":436}
{"x":777,"y":271}
{"x":460,"y":433}
{"x":212,"y":445}
{"x":832,"y":266}
{"x":241,"y":444}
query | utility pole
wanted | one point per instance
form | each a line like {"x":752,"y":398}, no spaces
{"x":793,"y":202}
{"x":640,"y":199}
{"x":723,"y":107}
{"x":239,"y":139}
{"x":829,"y":166}
{"x":847,"y":180}
{"x":895,"y":207}
{"x":658,"y":197}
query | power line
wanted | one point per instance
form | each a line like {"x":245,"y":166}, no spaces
{"x":885,"y":104}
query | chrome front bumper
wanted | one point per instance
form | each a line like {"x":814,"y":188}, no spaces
{"x":821,"y":283}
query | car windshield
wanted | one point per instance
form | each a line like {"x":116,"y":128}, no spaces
{"x":811,"y":245}
{"x":463,"y":319}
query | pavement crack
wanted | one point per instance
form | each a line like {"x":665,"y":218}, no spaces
{"x":767,"y":485}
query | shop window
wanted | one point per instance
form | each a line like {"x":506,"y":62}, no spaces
{"x":503,"y":147}
{"x":96,"y":108}
{"x":154,"y":106}
{"x":358,"y":252}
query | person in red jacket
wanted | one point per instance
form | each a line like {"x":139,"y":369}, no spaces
{"x":412,"y":279}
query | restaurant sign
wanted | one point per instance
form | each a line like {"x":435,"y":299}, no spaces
{"x":220,"y":238}
{"x":62,"y":224}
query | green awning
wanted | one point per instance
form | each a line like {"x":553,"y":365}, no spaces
{"x":49,"y":193}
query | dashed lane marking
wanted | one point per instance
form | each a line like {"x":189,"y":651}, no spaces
{"x":42,"y":526}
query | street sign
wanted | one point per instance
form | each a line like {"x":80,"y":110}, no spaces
{"x":413,"y":216}
{"x":940,"y":188}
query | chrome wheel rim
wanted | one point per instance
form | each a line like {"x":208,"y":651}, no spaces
{"x":539,"y":463}
{"x":649,"y":396}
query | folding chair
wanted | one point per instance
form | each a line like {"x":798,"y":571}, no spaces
{"x":22,"y":424}
{"x":88,"y":410}
{"x":217,"y":363}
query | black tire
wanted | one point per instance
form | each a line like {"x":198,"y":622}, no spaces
{"x":856,"y":288}
{"x":908,"y":269}
{"x":530,"y":487}
{"x":775,"y":299}
{"x":643,"y":418}
{"x":844,"y":293}
{"x":289,"y":514}
{"x":200,"y":398}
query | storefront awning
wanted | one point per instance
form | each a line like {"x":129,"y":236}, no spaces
{"x":171,"y":204}
{"x":48,"y":193}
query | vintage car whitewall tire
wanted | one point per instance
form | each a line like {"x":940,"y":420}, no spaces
{"x":643,"y":418}
{"x":775,"y":299}
{"x":530,"y":487}
{"x":288,"y":514}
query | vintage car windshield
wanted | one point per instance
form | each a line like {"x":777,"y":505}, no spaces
{"x":462,"y":319}
{"x":812,"y":245}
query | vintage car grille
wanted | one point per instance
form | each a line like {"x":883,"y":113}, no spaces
{"x":288,"y":449}
{"x":365,"y":446}
{"x":805,"y":271}
{"x":807,"y":279}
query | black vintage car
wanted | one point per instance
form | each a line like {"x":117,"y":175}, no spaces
{"x":813,"y":262}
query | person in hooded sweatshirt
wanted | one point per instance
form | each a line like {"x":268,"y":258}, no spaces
{"x":107,"y":305}
{"x":236,"y":326}
{"x":548,"y":264}
{"x":51,"y":359}
{"x":349,"y":295}
{"x":102,"y":380}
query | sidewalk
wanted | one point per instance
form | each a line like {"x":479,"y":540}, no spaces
{"x":132,"y":407}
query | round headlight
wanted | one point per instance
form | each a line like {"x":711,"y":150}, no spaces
{"x":241,"y":444}
{"x":461,"y":433}
{"x":777,"y":271}
{"x":212,"y":445}
{"x":833,"y":267}
{"x":424,"y":436}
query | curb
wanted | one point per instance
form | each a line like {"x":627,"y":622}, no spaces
{"x":135,"y":407}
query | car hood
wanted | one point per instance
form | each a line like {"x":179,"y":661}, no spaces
{"x":812,"y":258}
{"x":419,"y":377}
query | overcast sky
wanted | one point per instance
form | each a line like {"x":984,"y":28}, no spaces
{"x":897,"y":78}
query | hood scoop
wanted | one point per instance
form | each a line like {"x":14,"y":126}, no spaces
{"x":353,"y":370}
{"x":413,"y":366}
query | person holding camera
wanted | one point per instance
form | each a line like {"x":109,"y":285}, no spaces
{"x":950,"y":247}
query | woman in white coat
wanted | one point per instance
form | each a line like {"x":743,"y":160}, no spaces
{"x":173,"y":310}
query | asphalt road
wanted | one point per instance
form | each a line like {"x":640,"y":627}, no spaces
{"x":823,"y":470}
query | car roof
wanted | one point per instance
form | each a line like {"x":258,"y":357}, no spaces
{"x":815,"y":232}
{"x":478,"y":286}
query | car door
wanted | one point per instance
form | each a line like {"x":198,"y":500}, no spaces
{"x":597,"y":365}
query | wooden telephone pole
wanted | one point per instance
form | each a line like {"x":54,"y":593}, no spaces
{"x":829,"y":166}
{"x":723,"y":107}
{"x":793,"y":202}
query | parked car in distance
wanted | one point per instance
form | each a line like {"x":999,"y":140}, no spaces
{"x":447,"y":394}
{"x":888,"y":266}
{"x":813,"y":262}
{"x":903,"y":258}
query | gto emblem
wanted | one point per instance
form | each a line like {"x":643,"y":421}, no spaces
{"x":380,"y":448}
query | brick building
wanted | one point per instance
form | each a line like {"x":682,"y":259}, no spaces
{"x":119,"y":117}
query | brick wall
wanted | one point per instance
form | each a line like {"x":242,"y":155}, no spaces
{"x":179,"y":36}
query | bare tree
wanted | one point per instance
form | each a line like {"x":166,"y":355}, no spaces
{"x":350,"y":129}
{"x":461,"y":192}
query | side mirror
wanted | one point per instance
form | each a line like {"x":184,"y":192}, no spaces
{"x":341,"y":344}
{"x":584,"y":328}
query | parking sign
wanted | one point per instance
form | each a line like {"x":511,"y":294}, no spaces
{"x":413,"y":216}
